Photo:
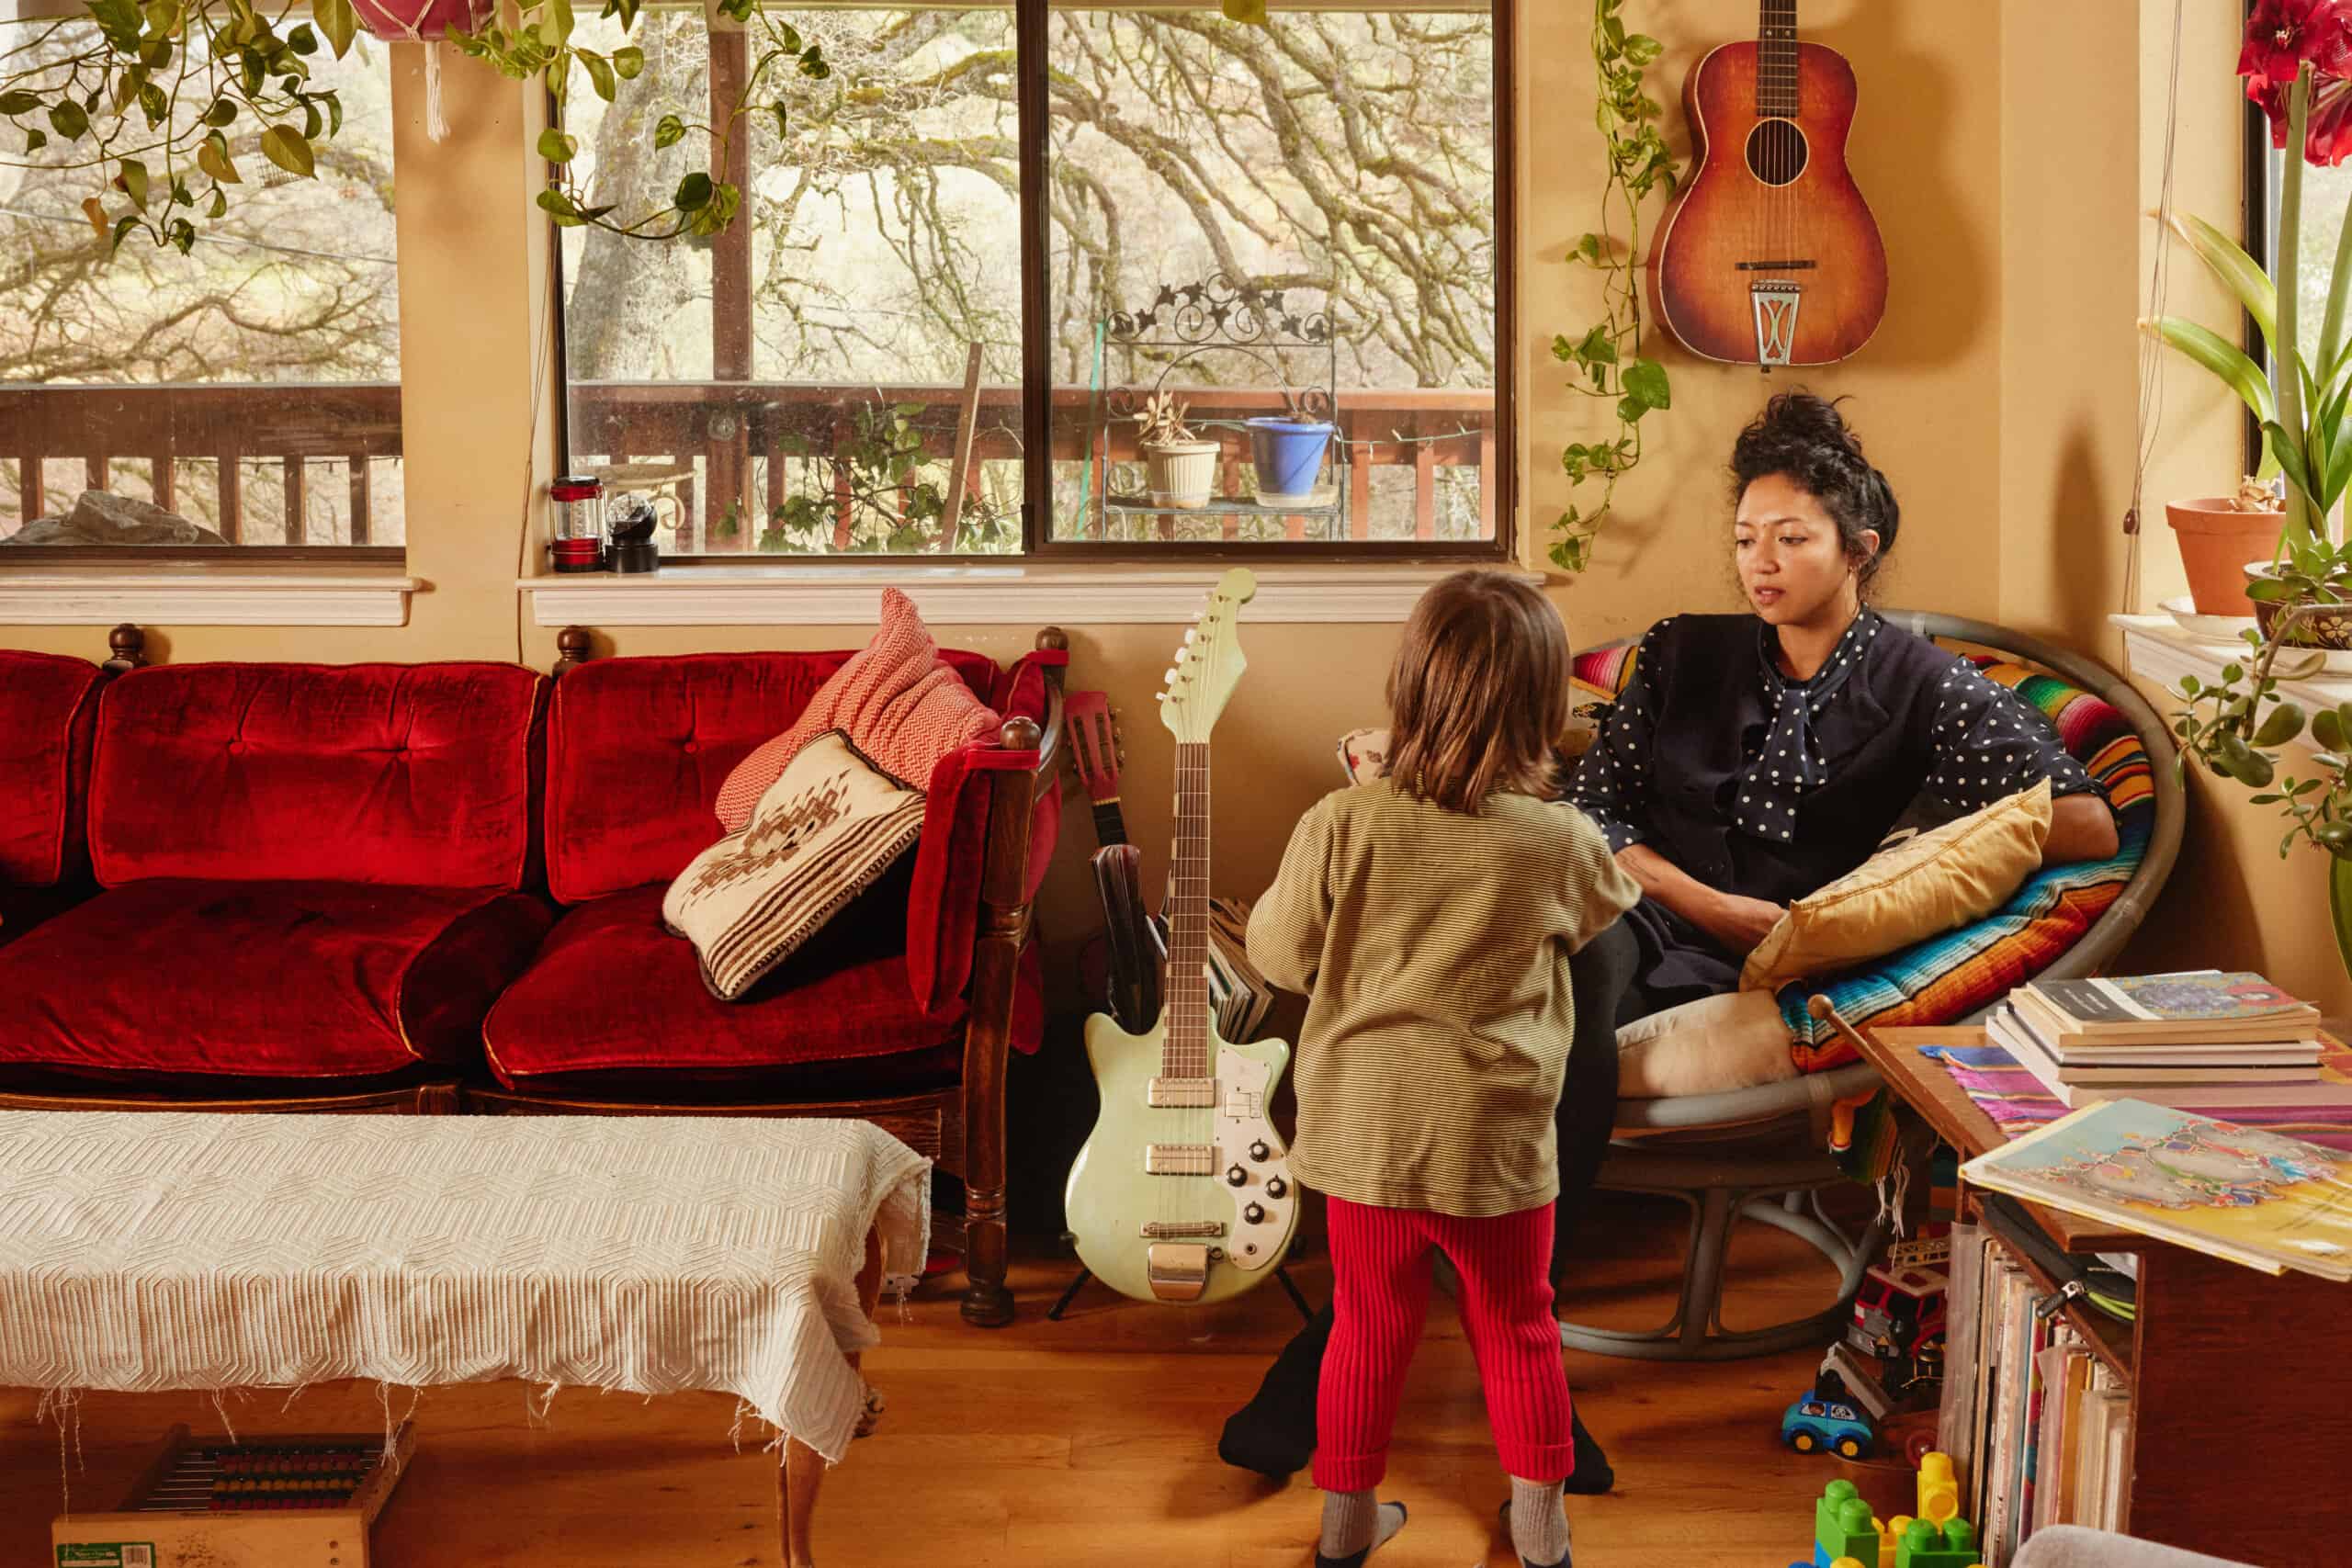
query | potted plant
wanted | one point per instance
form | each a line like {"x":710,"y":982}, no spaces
{"x":1181,"y":468}
{"x":2237,"y":726}
{"x":2305,"y":599}
{"x":1286,"y":450}
{"x":2296,"y":63}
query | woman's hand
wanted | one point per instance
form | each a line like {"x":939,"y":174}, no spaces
{"x":1738,"y":923}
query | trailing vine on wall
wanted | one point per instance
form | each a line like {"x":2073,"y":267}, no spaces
{"x":1608,"y":359}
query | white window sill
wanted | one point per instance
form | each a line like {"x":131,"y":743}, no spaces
{"x":198,"y":593}
{"x":974,"y":594}
{"x":2156,"y":649}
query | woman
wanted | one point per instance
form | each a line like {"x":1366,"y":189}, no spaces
{"x":1752,"y":759}
{"x":1755,"y":757}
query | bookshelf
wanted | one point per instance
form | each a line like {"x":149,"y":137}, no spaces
{"x":2241,"y":1392}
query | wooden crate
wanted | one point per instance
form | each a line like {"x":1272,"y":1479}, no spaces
{"x":305,"y":1500}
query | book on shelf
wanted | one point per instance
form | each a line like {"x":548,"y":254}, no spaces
{"x":2205,"y":1008}
{"x":2036,"y":1421}
{"x":2221,"y":1086}
{"x":2242,"y":1194}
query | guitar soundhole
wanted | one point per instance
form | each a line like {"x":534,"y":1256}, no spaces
{"x":1776,"y":152}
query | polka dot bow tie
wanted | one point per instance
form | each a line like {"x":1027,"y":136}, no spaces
{"x":1787,"y":768}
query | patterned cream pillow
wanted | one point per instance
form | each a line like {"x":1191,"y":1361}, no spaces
{"x":820,"y":834}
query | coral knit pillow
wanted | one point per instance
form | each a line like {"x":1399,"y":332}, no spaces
{"x":896,"y":699}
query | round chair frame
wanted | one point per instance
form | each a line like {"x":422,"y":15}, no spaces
{"x":1762,"y":1154}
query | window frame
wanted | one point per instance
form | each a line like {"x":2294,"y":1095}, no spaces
{"x":243,"y":556}
{"x":1032,"y":20}
{"x":2261,"y":241}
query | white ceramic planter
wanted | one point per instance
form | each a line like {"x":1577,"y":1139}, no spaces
{"x":1183,"y":473}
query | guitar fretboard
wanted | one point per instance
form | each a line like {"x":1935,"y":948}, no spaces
{"x":1184,"y":1008}
{"x":1110,"y":827}
{"x":1776,"y":59}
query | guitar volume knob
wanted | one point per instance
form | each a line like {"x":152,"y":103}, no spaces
{"x":1276,"y":1186}
{"x":1260,"y":1152}
{"x":1235,"y":1176}
{"x":1254,"y":1213}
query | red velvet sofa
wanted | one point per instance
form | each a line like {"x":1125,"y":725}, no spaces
{"x":903,"y":1007}
{"x":314,"y":880}
{"x":438,"y":888}
{"x":49,"y":708}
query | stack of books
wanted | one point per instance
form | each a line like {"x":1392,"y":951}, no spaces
{"x":2211,"y":1041}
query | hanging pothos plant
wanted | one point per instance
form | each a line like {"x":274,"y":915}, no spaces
{"x":161,"y":105}
{"x":164,"y":105}
{"x":1608,"y":356}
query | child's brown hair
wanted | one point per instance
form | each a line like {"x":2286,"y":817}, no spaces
{"x":1478,"y":693}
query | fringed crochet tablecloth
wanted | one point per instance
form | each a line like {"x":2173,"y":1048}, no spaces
{"x":153,"y":1251}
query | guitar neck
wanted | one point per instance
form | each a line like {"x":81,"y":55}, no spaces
{"x":1184,"y":1051}
{"x":1110,"y":827}
{"x":1776,"y":59}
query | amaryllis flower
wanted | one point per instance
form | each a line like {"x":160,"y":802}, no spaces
{"x":2282,"y":35}
{"x":2327,"y":130}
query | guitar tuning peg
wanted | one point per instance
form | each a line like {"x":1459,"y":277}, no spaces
{"x":1182,"y":654}
{"x":1168,"y":677}
{"x":1188,"y":635}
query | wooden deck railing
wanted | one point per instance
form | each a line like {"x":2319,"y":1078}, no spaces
{"x":717,"y":443}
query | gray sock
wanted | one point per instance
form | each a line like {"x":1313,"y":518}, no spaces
{"x":1354,"y":1523}
{"x":1539,"y":1524}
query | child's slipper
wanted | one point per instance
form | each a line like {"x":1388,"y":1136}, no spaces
{"x":1356,"y":1558}
{"x":1503,"y":1513}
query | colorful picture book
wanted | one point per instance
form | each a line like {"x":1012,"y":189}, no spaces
{"x":2239,"y":1193}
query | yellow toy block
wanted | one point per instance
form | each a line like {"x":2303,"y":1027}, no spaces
{"x":1938,"y":1489}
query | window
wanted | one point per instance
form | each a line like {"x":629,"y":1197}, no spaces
{"x":1306,"y":221}
{"x":245,"y":394}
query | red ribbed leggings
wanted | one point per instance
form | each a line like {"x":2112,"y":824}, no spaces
{"x":1380,"y":1276}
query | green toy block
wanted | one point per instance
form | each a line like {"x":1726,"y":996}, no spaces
{"x":1841,"y":1524}
{"x":1924,"y":1546}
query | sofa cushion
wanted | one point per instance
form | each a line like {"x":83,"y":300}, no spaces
{"x":48,"y":707}
{"x":827,"y":828}
{"x":614,"y":1000}
{"x":637,"y":749}
{"x":263,"y":979}
{"x":897,"y":700}
{"x":417,"y":775}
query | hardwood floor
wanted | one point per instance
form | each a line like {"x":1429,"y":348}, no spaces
{"x":1083,"y":1442}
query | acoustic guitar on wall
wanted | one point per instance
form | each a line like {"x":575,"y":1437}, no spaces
{"x":1770,"y":256}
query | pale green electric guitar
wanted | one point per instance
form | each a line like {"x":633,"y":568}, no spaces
{"x":1180,"y":1193}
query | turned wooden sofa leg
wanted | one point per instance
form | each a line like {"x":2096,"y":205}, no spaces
{"x":988,"y":1033}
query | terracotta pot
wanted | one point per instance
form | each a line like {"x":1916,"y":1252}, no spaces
{"x":2330,"y":628}
{"x":2215,"y":544}
{"x":1183,"y":473}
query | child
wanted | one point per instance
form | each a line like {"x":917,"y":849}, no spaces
{"x":1430,"y":915}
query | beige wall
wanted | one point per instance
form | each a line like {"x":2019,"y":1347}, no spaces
{"x":2007,"y":177}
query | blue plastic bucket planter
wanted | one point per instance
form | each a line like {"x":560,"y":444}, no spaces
{"x":1288,"y":455}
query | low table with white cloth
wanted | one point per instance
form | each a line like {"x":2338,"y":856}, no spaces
{"x":151,"y":1251}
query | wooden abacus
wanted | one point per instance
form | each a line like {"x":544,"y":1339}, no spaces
{"x":304,"y":1500}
